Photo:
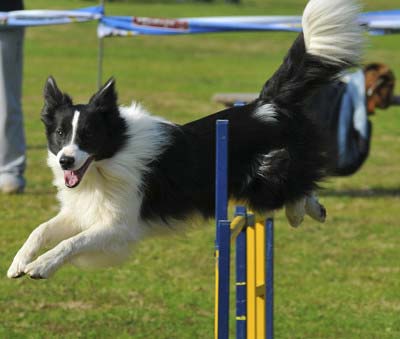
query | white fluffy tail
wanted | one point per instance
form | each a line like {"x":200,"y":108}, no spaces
{"x":331,"y":30}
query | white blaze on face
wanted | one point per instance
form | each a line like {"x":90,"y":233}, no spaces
{"x":75,"y":121}
{"x":72,"y":149}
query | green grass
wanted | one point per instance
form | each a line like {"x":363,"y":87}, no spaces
{"x":337,"y":280}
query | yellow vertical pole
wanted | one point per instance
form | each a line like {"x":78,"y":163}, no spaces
{"x":260,"y":279}
{"x":251,"y":281}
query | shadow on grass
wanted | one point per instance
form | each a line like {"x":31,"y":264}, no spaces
{"x":363,"y":193}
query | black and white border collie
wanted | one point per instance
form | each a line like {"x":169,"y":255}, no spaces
{"x":120,"y":170}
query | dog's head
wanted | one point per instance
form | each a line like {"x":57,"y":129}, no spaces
{"x":80,"y":134}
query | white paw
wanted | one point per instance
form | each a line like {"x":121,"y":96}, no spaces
{"x":295,"y":212}
{"x":17,"y":267}
{"x":42,"y":268}
{"x":295,"y":220}
{"x":318,"y":214}
{"x":315,"y":210}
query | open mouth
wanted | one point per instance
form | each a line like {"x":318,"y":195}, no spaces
{"x":73,"y":178}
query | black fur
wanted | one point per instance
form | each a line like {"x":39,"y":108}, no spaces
{"x":299,"y":76}
{"x":181,"y":180}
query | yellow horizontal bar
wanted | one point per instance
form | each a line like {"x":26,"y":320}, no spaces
{"x":237,"y":225}
{"x":241,"y":283}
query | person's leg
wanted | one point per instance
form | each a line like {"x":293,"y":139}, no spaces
{"x":12,"y":138}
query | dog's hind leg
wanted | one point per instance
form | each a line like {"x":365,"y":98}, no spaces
{"x":274,"y":164}
{"x":314,"y":209}
{"x":264,"y":189}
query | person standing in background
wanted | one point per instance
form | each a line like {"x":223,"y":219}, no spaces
{"x":12,"y":137}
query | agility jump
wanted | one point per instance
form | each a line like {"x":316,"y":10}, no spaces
{"x":254,"y":259}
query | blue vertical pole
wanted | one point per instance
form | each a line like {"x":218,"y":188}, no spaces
{"x":269,"y":293}
{"x":221,"y":171}
{"x":222,"y":245}
{"x":241,"y":277}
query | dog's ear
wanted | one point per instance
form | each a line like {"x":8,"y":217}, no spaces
{"x":106,"y":97}
{"x":53,"y":97}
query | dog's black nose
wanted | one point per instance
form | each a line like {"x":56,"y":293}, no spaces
{"x":66,"y":162}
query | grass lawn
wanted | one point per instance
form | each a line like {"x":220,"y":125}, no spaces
{"x":337,"y":280}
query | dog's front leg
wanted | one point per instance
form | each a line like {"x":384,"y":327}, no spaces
{"x":93,"y":239}
{"x":52,"y":231}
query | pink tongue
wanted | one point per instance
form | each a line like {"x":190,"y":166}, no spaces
{"x":71,"y":179}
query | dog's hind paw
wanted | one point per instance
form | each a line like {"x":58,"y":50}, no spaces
{"x":295,"y":212}
{"x":294,"y":221}
{"x":314,"y":209}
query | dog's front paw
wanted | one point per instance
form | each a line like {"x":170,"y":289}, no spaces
{"x":17,"y":267}
{"x":42,"y":268}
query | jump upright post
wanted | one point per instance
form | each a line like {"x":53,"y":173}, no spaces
{"x":254,"y":259}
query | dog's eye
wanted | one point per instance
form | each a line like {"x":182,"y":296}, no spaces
{"x":59,"y":131}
